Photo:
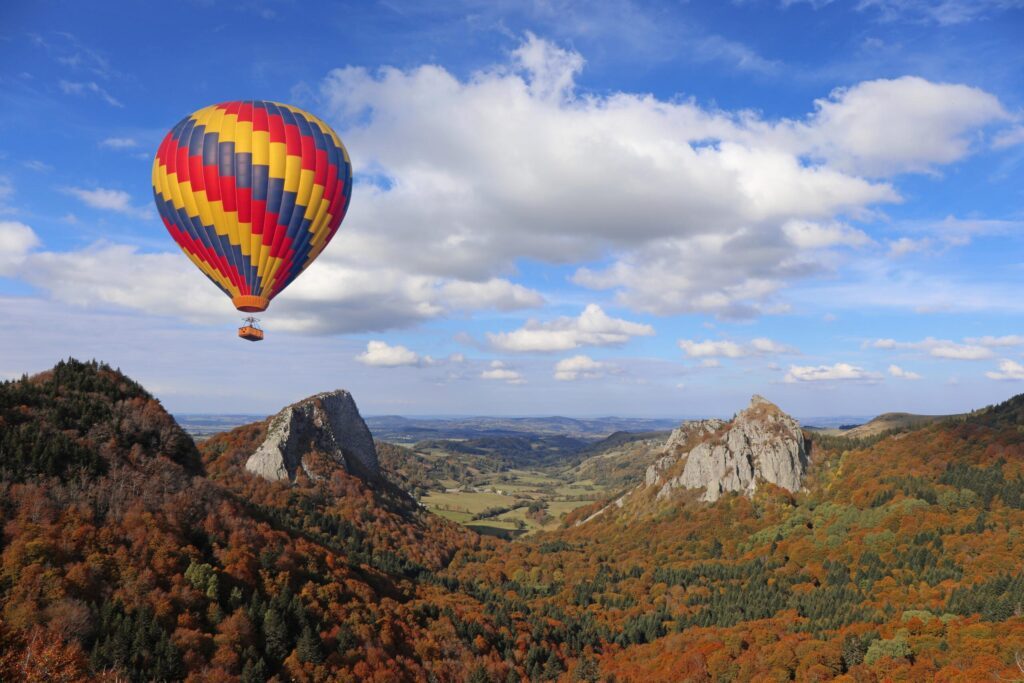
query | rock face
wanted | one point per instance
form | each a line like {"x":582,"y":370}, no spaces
{"x":328,"y":425}
{"x":761,"y":443}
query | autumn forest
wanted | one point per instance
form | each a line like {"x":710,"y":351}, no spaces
{"x":130,"y":552}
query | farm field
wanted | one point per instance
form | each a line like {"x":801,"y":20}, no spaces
{"x":512,"y":503}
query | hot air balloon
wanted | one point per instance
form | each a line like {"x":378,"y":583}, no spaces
{"x":252,"y":192}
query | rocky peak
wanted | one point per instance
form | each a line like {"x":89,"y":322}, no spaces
{"x":328,"y":426}
{"x":762,"y":443}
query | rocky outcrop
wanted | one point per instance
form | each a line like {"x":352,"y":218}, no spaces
{"x":761,"y":443}
{"x":327,"y":426}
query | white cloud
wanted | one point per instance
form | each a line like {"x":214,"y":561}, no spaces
{"x":960,"y":351}
{"x":694,"y":219}
{"x":905,"y":245}
{"x":1009,"y":138}
{"x":104,"y":199}
{"x":710,"y":348}
{"x":938,"y":348}
{"x":1005,"y":340}
{"x":959,"y":232}
{"x":327,"y":298}
{"x":1008,"y":370}
{"x":380,"y":354}
{"x":501,"y":372}
{"x":829,"y":373}
{"x":941,"y":12}
{"x":902,"y":125}
{"x":119,"y":143}
{"x":593,"y":327}
{"x":494,"y":293}
{"x":810,"y":235}
{"x":731,"y":276}
{"x":551,"y":70}
{"x":579,"y":367}
{"x":897,"y":371}
{"x":37,"y":165}
{"x":120,"y":275}
{"x":763,"y":345}
{"x":82,"y":88}
{"x":16,"y":240}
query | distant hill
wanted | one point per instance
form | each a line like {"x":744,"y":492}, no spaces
{"x":888,"y":422}
{"x":204,"y":425}
{"x":877,"y":428}
{"x":409,"y":430}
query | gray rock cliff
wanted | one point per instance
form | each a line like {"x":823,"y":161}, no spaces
{"x":327,"y":424}
{"x":761,"y":443}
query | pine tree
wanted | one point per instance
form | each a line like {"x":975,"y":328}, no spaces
{"x":309,"y":647}
{"x":254,"y":670}
{"x":275,"y":635}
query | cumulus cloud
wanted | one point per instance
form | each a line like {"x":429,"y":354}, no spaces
{"x":829,"y":373}
{"x":903,"y":125}
{"x":709,"y":348}
{"x":494,"y":293}
{"x":710,"y":211}
{"x":16,"y":240}
{"x":327,"y":298}
{"x":120,"y":275}
{"x":500,"y":371}
{"x":1008,"y":370}
{"x":104,"y":199}
{"x":579,"y":367}
{"x":382,"y":355}
{"x":593,"y":327}
{"x":897,"y":371}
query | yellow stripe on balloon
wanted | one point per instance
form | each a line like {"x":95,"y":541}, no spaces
{"x":313,"y":205}
{"x":227,"y":134}
{"x":278,"y":155}
{"x":292,"y":170}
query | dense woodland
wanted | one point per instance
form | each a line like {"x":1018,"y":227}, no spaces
{"x":126,"y":553}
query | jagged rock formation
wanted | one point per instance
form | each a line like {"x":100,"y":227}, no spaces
{"x":328,"y":425}
{"x":761,"y":443}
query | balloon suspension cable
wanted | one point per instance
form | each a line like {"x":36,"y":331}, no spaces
{"x":251,"y":321}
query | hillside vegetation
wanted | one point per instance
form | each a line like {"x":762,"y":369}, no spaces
{"x":127,"y":553}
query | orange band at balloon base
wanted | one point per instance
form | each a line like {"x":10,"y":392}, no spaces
{"x":250,"y":303}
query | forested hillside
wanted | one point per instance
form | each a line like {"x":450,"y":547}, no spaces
{"x":127,"y":553}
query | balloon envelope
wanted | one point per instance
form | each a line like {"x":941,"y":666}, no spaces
{"x":252,"y":192}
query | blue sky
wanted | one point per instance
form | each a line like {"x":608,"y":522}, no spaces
{"x":573,"y":208}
